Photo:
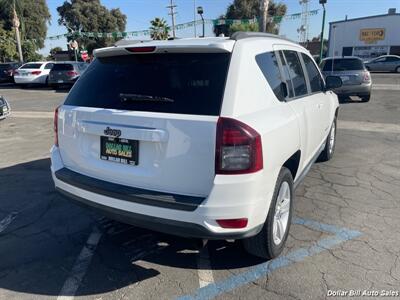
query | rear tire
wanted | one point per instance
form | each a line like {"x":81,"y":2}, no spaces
{"x":397,"y":70}
{"x":270,"y":241}
{"x":330,"y":144}
{"x":366,"y":98}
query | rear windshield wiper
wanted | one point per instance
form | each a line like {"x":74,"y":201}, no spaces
{"x":143,"y":98}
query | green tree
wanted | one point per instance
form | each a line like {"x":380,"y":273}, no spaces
{"x":159,"y":29}
{"x":8,"y":51}
{"x":52,"y":52}
{"x":250,"y":9}
{"x":29,"y":51}
{"x":90,"y":16}
{"x":34,"y":16}
{"x":243,"y":27}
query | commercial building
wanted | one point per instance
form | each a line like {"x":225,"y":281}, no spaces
{"x":366,"y":37}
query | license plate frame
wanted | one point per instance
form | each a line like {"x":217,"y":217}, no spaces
{"x":117,"y":150}
{"x":345,"y":78}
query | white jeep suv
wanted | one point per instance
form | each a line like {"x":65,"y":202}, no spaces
{"x":203,"y":138}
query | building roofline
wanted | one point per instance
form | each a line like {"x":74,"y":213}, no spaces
{"x":363,"y":18}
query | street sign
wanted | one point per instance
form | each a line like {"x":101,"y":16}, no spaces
{"x":84,"y":56}
{"x":73,"y":44}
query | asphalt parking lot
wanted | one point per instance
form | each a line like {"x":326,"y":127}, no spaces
{"x":346,"y":234}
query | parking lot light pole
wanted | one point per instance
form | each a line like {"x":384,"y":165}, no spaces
{"x":200,"y":11}
{"x":321,"y":51}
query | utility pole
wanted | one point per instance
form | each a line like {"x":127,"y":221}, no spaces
{"x":16,"y":25}
{"x":323,"y":29}
{"x":194,"y":18}
{"x":263,"y":15}
{"x":172,"y":14}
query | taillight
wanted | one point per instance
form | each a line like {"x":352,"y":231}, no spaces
{"x":141,"y":49}
{"x":367,"y":77}
{"x":56,"y":127}
{"x":72,"y":73}
{"x":36,"y":72}
{"x":238,"y":148}
{"x":233,"y":223}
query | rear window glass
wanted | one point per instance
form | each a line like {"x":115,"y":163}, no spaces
{"x":341,"y":64}
{"x":62,"y":67}
{"x":31,"y":66}
{"x":182,"y":83}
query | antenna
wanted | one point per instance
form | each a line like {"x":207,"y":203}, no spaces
{"x":305,"y":26}
{"x":172,"y":14}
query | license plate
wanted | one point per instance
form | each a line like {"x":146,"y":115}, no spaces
{"x":345,"y":78}
{"x":119,"y":150}
{"x":60,"y":81}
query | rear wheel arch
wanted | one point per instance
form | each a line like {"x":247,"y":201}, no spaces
{"x":292,"y":163}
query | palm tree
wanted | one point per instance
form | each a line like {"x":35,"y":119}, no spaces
{"x":159,"y":29}
{"x":13,"y":6}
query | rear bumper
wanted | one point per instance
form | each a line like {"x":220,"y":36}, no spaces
{"x":179,"y":228}
{"x":55,"y":81}
{"x":28,"y":80}
{"x":247,"y":197}
{"x":354,"y":90}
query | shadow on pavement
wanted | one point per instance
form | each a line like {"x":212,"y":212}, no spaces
{"x":40,"y":246}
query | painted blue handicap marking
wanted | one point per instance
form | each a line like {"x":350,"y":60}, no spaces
{"x":339,"y":235}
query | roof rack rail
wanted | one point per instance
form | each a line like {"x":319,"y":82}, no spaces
{"x":240,"y":35}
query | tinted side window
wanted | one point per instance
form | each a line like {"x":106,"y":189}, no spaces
{"x":286,"y":74}
{"x":268,"y":64}
{"x":296,"y":73}
{"x":49,"y":66}
{"x":313,"y":74}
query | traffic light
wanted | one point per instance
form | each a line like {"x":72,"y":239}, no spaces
{"x":322,"y":1}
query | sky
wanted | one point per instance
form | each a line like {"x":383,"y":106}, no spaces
{"x":140,"y":12}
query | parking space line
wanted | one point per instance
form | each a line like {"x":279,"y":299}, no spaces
{"x":339,"y":236}
{"x":369,"y":126}
{"x":80,"y":267}
{"x":204,"y":268}
{"x":391,"y":87}
{"x":32,"y":114}
{"x":7,"y":221}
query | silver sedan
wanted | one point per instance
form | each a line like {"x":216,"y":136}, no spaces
{"x":385,"y":63}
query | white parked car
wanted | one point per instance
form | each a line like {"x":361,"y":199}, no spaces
{"x":33,"y":73}
{"x":202,"y":138}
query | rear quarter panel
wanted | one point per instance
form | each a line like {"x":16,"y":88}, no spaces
{"x":249,"y":98}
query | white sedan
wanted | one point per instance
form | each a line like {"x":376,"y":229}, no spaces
{"x":33,"y":73}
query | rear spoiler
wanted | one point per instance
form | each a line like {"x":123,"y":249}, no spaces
{"x":150,"y":48}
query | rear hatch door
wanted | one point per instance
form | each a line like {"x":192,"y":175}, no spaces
{"x":350,"y":70}
{"x":62,"y":72}
{"x":146,"y":120}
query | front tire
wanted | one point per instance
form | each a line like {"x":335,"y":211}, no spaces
{"x":330,"y":144}
{"x":397,"y":70}
{"x":270,"y":241}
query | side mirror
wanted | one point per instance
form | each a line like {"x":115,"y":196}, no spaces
{"x":333,"y":82}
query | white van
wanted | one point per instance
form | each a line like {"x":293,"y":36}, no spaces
{"x":202,"y":138}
